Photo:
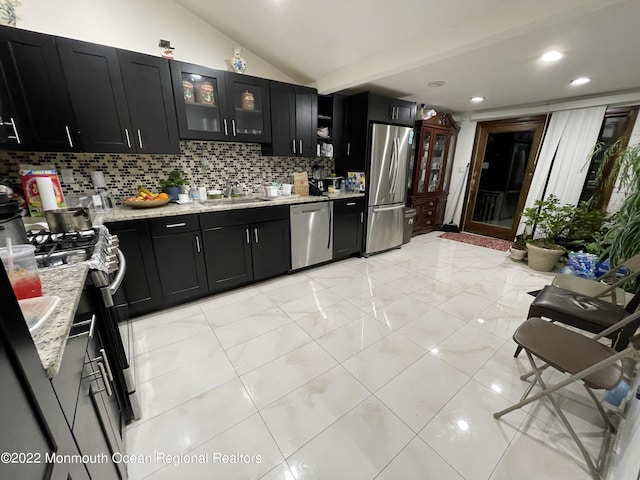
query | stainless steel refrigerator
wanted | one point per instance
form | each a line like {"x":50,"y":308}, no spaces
{"x":387,"y":185}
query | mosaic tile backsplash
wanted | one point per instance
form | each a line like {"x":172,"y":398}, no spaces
{"x":207,"y":164}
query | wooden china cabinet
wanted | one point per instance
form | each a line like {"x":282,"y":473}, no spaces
{"x":430,"y":170}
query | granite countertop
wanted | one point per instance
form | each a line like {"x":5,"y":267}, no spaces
{"x":67,"y":283}
{"x":122,"y":212}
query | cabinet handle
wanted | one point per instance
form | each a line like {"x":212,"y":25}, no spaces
{"x":140,"y":139}
{"x":255,"y":234}
{"x":247,"y":232}
{"x":293,"y":142}
{"x":198,"y":243}
{"x":351,"y":204}
{"x":233,"y":126}
{"x":126,"y":132}
{"x":173,"y":225}
{"x":105,"y":380}
{"x":300,"y":151}
{"x":15,"y":135}
{"x":361,"y":217}
{"x":103,"y":354}
{"x":66,"y":128}
{"x":91,"y":324}
{"x":226,"y":130}
{"x":92,"y":327}
{"x":348,"y":148}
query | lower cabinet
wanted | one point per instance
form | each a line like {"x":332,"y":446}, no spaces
{"x":348,"y":225}
{"x":238,"y":253}
{"x":429,"y":212}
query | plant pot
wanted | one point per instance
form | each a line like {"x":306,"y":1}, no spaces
{"x":173,"y":192}
{"x":517,"y":254}
{"x":543,"y":259}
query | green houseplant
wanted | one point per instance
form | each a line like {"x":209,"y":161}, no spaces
{"x":545,"y":223}
{"x":173,"y":184}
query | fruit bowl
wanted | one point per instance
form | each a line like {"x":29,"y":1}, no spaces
{"x":147,"y":203}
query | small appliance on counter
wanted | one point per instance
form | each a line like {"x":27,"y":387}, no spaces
{"x":11,"y":225}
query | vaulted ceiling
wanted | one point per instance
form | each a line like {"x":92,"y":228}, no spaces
{"x":488,"y":48}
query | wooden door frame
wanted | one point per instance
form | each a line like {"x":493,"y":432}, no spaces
{"x":483,"y":129}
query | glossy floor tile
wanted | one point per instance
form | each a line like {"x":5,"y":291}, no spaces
{"x":387,"y":367}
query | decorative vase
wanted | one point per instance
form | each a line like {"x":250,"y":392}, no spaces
{"x":238,"y":63}
{"x":517,"y":254}
{"x":543,"y":259}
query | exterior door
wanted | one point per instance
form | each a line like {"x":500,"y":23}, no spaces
{"x":503,"y":162}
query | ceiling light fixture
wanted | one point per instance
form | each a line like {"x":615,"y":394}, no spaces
{"x":477,"y":99}
{"x":437,"y":83}
{"x":579,"y":81}
{"x":551,"y":56}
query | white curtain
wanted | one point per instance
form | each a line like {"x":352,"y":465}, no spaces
{"x":460,"y":171}
{"x":570,"y":137}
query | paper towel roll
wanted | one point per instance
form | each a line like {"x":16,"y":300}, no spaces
{"x":47,"y":194}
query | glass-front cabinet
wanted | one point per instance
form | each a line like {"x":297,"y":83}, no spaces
{"x":217,"y":105}
{"x":430,"y":173}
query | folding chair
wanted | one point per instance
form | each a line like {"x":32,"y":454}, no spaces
{"x":585,"y":359}
{"x":607,"y":287}
{"x":584,"y":312}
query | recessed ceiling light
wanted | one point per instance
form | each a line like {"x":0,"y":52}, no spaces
{"x":477,"y":99}
{"x":551,"y":56}
{"x":580,"y":81}
{"x":437,"y":83}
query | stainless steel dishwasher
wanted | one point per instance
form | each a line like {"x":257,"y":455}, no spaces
{"x":311,"y":234}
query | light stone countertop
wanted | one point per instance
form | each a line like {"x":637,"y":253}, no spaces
{"x":67,"y":283}
{"x":121,"y":212}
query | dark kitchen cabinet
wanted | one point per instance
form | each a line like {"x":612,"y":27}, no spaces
{"x":430,"y":170}
{"x":34,"y":103}
{"x":331,"y":121}
{"x":141,"y":286}
{"x":348,"y":227}
{"x":147,"y":83}
{"x":391,"y":110}
{"x":179,"y":257}
{"x":31,"y":417}
{"x":217,"y":105}
{"x":241,"y":246}
{"x":294,"y":121}
{"x":98,"y":97}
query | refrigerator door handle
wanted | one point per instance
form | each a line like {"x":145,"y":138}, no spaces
{"x":330,"y":225}
{"x":384,"y":209}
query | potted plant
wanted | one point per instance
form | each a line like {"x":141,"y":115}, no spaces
{"x":547,"y":221}
{"x":173,"y":184}
{"x":518,"y":249}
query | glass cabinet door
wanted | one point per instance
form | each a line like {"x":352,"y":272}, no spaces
{"x":424,"y":162}
{"x":437,"y":163}
{"x":451,"y":148}
{"x":201,"y":96}
{"x":249,"y":108}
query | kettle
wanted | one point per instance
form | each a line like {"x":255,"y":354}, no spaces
{"x":13,"y":228}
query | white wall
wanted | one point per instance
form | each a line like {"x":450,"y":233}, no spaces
{"x":459,"y":171}
{"x":138,"y":25}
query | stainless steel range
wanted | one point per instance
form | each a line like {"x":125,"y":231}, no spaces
{"x":102,"y":296}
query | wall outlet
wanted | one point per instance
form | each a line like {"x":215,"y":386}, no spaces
{"x":67,"y":176}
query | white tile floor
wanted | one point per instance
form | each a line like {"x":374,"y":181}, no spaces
{"x":387,"y":368}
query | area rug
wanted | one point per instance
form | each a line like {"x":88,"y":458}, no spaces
{"x":481,"y":241}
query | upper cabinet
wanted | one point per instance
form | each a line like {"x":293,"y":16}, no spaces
{"x":35,"y":107}
{"x":147,"y":84}
{"x":294,"y":120}
{"x":217,"y":105}
{"x":391,"y":110}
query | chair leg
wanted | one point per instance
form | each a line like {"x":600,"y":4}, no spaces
{"x":518,"y":350}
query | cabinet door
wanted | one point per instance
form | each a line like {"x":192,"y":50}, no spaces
{"x":249,"y":108}
{"x":306,"y":100}
{"x":405,"y":113}
{"x":381,"y":109}
{"x":147,"y":82}
{"x":283,"y":124}
{"x":140,"y":283}
{"x":348,"y":218}
{"x":201,"y":102}
{"x":180,"y":264}
{"x":227,"y":252}
{"x":270,"y":248}
{"x":97,"y":95}
{"x":35,"y":103}
{"x":426,"y":214}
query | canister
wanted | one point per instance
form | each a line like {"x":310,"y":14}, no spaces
{"x":248,"y":101}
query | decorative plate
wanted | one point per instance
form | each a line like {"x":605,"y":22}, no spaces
{"x":147,"y":203}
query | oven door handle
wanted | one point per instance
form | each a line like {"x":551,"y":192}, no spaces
{"x":113,"y":288}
